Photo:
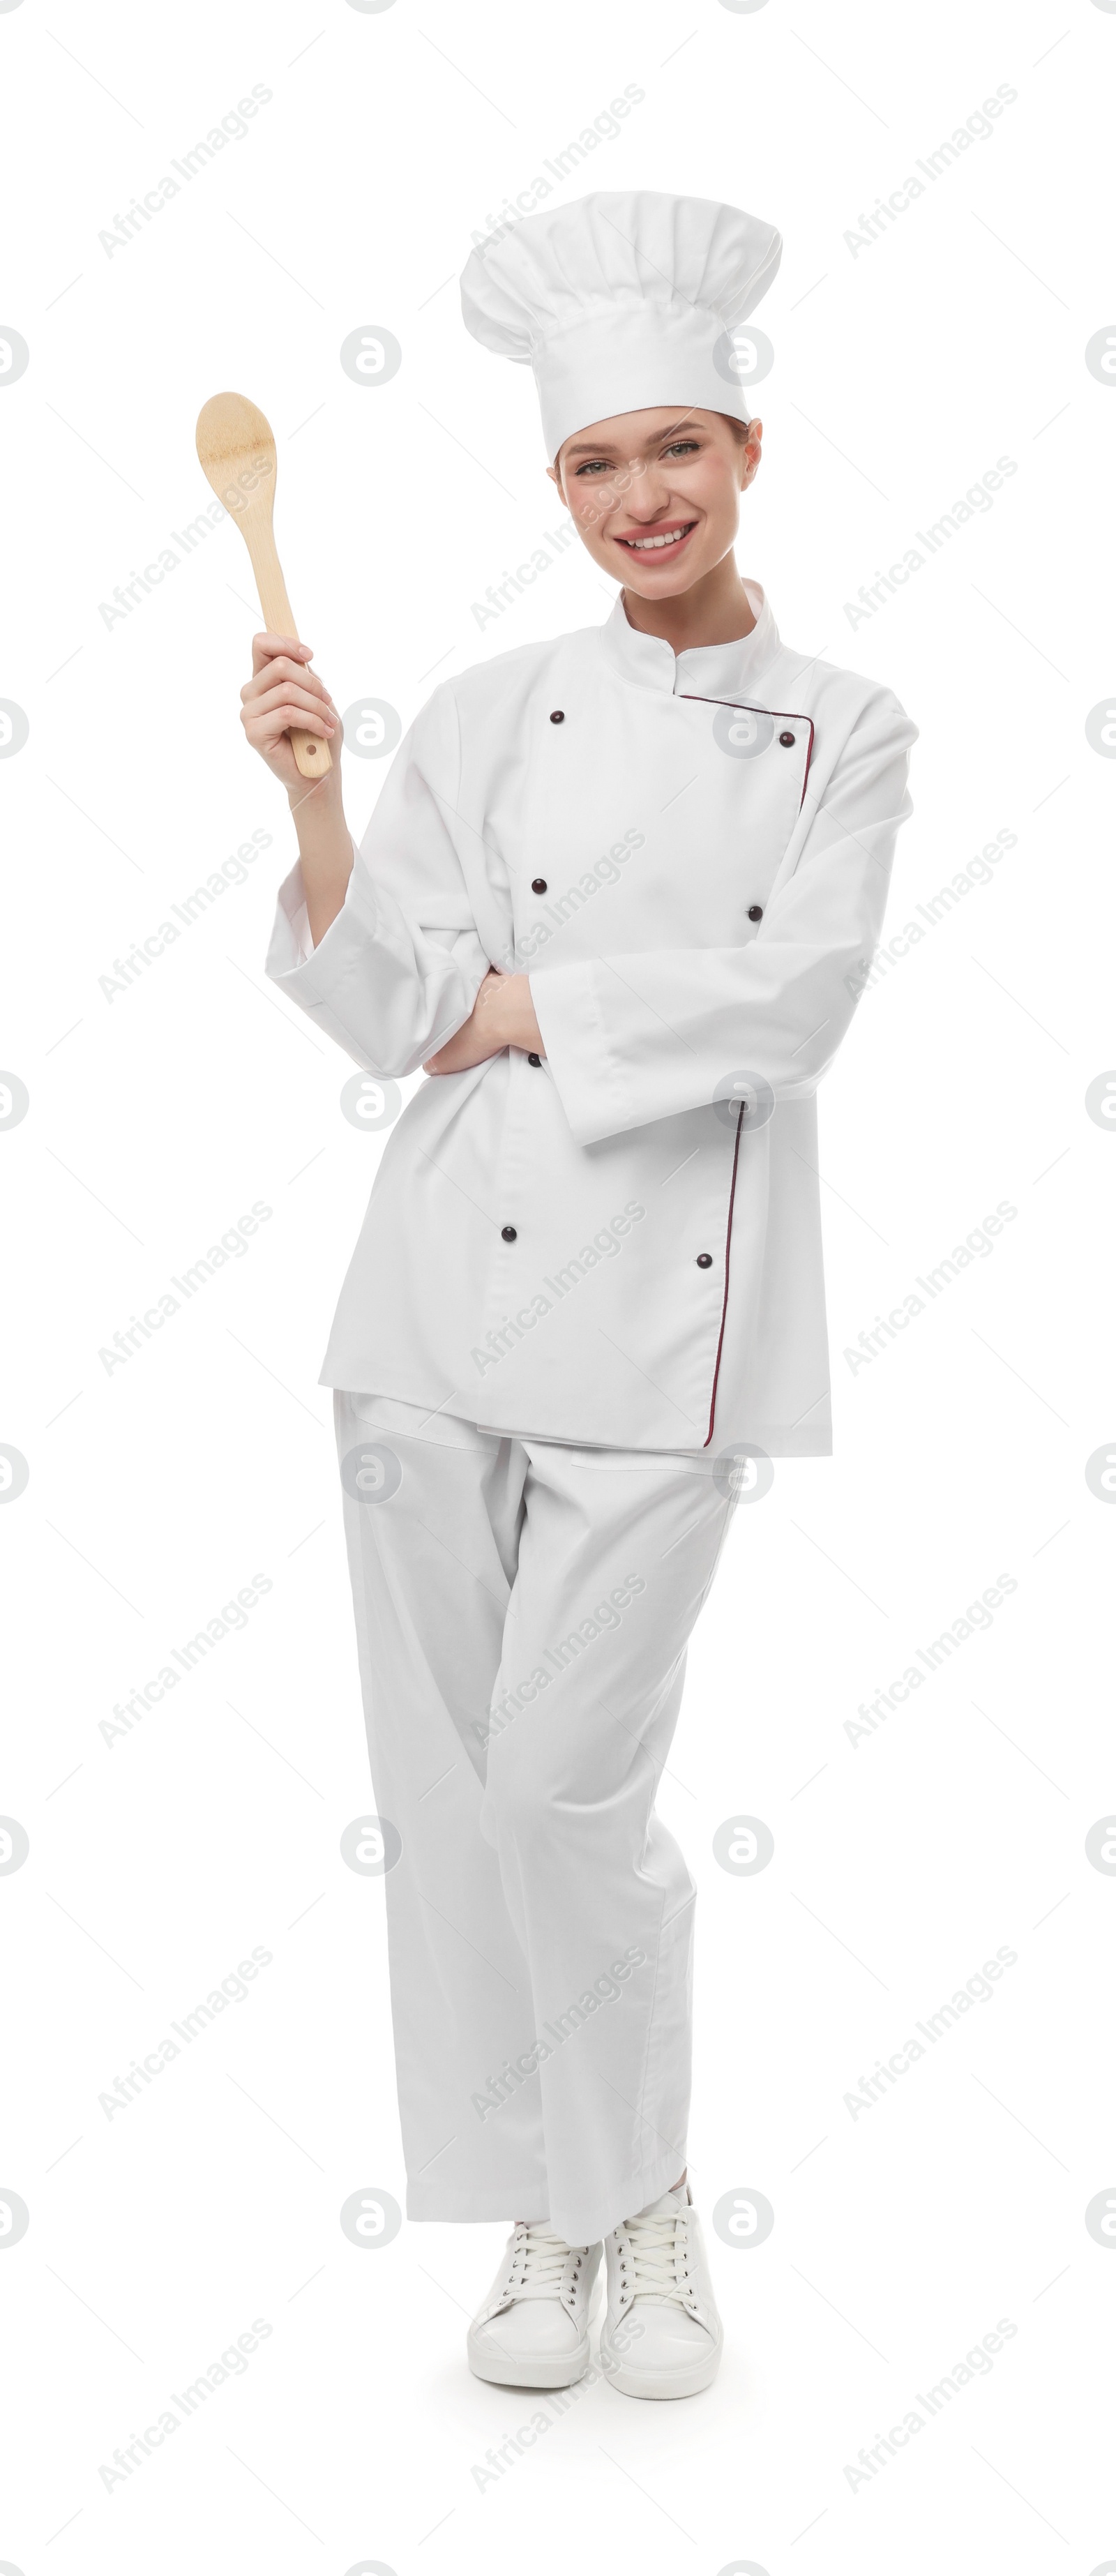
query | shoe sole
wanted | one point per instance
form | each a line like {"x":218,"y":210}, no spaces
{"x":518,"y":2371}
{"x":677,"y":2383}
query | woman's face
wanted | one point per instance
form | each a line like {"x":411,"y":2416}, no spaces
{"x":657,"y":475}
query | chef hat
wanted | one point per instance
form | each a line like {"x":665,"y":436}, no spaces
{"x":622,"y":302}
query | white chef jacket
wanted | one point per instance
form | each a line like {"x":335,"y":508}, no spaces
{"x":587,"y":1249}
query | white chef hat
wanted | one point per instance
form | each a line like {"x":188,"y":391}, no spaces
{"x":621,"y":302}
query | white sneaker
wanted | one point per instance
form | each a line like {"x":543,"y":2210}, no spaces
{"x":533,"y":2329}
{"x":662,"y":2335}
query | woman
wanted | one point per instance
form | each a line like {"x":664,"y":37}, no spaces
{"x":615,"y":900}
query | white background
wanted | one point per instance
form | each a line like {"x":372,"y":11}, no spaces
{"x":903,"y":1859}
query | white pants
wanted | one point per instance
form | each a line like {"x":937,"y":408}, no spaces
{"x":522,"y":1612}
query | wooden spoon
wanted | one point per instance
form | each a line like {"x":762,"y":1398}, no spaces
{"x":236,"y":451}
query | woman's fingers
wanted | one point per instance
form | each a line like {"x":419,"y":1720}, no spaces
{"x":265,"y":647}
{"x":465,"y":1048}
{"x":475,"y":1040}
{"x":266,"y":733}
{"x":287,"y":694}
{"x":283,"y":668}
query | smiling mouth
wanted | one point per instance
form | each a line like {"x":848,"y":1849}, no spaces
{"x":659,"y":541}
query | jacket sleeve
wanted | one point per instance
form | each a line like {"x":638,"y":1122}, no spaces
{"x":399,"y":969}
{"x":633,"y":1038}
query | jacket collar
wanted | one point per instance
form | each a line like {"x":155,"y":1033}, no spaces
{"x":707,"y":670}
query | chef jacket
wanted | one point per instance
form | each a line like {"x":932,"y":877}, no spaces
{"x":618,"y":1244}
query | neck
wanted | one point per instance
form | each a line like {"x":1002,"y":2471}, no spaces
{"x":715,"y":610}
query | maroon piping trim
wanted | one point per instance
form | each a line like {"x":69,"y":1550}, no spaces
{"x":786,"y":714}
{"x":728,"y":1252}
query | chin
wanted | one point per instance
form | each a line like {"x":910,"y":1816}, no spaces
{"x":670,"y":585}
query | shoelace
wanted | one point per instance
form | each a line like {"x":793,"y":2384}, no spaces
{"x":654,"y":2257}
{"x":538,"y":2262}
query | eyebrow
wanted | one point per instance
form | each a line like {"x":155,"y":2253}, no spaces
{"x":607,"y":447}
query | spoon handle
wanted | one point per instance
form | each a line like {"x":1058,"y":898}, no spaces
{"x":311,"y":750}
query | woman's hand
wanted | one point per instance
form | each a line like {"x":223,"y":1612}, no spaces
{"x":503,"y":1015}
{"x":284,"y":691}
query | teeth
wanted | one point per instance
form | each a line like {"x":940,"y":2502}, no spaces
{"x":643,"y":545}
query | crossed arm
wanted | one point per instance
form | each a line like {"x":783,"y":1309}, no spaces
{"x":503,"y":1015}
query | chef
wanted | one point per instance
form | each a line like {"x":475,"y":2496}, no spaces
{"x":616,"y":899}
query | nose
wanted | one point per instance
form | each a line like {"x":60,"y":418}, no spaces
{"x":649,"y":495}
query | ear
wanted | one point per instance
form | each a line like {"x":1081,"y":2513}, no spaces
{"x":555,"y":478}
{"x":753,"y":450}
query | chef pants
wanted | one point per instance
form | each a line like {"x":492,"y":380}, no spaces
{"x":522,"y":1613}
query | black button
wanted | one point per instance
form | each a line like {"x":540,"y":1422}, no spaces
{"x":705,"y":1261}
{"x":534,"y":1059}
{"x":538,"y":885}
{"x":787,"y":740}
{"x":755,"y":912}
{"x":508,"y":1233}
{"x":558,"y":716}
